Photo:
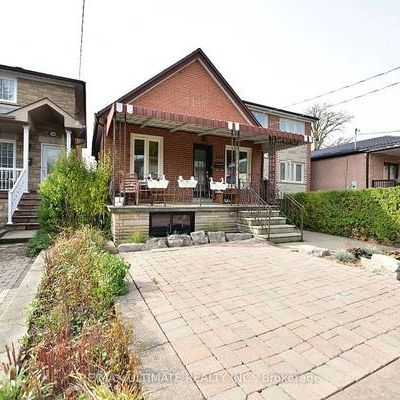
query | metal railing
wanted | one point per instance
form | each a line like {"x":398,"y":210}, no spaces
{"x":15,"y":194}
{"x":8,"y":177}
{"x":384,"y":183}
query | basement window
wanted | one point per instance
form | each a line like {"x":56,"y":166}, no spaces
{"x":167,"y":223}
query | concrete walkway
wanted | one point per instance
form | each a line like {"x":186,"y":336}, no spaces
{"x":332,"y":242}
{"x":253,"y":321}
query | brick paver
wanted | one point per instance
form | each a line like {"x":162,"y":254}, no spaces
{"x":250,"y":319}
{"x":14,"y":263}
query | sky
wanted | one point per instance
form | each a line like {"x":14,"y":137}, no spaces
{"x":271,"y":52}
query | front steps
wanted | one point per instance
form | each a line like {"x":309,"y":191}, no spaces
{"x":25,"y":216}
{"x":256,"y":222}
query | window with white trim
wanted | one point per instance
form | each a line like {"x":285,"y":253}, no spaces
{"x":261,"y":118}
{"x":7,"y":154}
{"x":8,"y":89}
{"x":292,"y":126}
{"x":232,"y":173}
{"x":291,"y":172}
{"x":147,"y":156}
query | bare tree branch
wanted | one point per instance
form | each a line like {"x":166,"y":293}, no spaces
{"x":329,"y":122}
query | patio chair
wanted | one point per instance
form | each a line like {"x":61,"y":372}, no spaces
{"x":130,"y":187}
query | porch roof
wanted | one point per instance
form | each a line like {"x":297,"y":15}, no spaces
{"x":143,"y":116}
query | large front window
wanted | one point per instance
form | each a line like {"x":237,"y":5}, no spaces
{"x":233,"y":171}
{"x":8,"y":89}
{"x":291,"y":172}
{"x":147,"y":156}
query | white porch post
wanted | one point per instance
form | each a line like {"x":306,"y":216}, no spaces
{"x":68,"y":143}
{"x":26,"y":155}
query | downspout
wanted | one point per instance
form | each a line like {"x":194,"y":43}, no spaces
{"x":367,"y":170}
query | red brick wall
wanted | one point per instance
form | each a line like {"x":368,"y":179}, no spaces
{"x":178,"y":152}
{"x":191,"y":91}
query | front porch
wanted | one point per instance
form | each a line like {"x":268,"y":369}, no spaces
{"x":31,"y":140}
{"x":383,"y":168}
{"x":197,"y":170}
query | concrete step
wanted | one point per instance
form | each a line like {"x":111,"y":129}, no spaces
{"x":259,"y":230}
{"x":17,"y":236}
{"x":262,"y":221}
{"x":25,"y":213}
{"x":22,"y":226}
{"x":281,"y":237}
{"x":24,"y":219}
{"x":249,"y":214}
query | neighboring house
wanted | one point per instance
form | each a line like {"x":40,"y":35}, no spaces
{"x":366,"y":163}
{"x":40,"y":114}
{"x":179,"y":123}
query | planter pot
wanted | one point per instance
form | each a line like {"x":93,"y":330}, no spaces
{"x":119,"y":201}
{"x":187,"y":183}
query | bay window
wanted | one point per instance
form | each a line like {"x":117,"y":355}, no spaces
{"x":147,"y":156}
{"x":232,"y":173}
{"x":291,"y":172}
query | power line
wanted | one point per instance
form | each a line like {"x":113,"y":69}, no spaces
{"x":344,"y":87}
{"x":80,"y":50}
{"x":366,"y":94}
{"x":379,"y":133}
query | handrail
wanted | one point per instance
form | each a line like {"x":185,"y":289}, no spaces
{"x":8,"y":177}
{"x":15,"y":194}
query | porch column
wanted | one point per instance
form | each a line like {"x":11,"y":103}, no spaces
{"x":26,"y":155}
{"x":68,"y":141}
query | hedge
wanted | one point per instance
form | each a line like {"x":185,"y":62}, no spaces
{"x":362,"y":214}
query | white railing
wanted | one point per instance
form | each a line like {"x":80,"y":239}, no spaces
{"x":15,"y":194}
{"x":8,"y":177}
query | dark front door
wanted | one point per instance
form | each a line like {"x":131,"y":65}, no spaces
{"x":202,"y":170}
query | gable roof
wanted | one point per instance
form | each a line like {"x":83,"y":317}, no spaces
{"x":363,"y":146}
{"x":199,"y":55}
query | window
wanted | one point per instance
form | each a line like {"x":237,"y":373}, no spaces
{"x":292,"y":126}
{"x":391,"y":171}
{"x":7,"y":154}
{"x":164,"y":224}
{"x":8,"y":89}
{"x":147,"y":156}
{"x":243,"y":174}
{"x":291,"y":172}
{"x":261,"y":118}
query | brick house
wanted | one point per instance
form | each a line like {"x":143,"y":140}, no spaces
{"x":40,"y":114}
{"x":368,"y":163}
{"x":188,"y":121}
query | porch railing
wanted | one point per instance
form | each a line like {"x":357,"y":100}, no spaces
{"x":8,"y":177}
{"x":385,"y":183}
{"x":15,"y":194}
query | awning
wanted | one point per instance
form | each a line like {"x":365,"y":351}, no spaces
{"x":174,"y":122}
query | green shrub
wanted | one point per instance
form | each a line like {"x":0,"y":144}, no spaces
{"x":363,"y":214}
{"x":39,"y":242}
{"x":344,"y":256}
{"x":74,"y":194}
{"x":137,"y":237}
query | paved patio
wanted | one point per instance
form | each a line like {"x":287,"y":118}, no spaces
{"x":254,"y":321}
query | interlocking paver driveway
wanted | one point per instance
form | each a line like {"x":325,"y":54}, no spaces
{"x":14,"y":263}
{"x":255,"y":321}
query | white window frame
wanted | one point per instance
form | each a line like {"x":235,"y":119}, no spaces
{"x":14,"y":100}
{"x":264,"y":115}
{"x":147,"y":139}
{"x":290,"y":172}
{"x":242,"y":149}
{"x":14,"y":143}
{"x":284,"y":122}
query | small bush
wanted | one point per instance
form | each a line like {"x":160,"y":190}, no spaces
{"x":39,"y":242}
{"x":359,"y":252}
{"x":73,"y":194}
{"x":344,"y":256}
{"x":137,"y":237}
{"x":363,"y":214}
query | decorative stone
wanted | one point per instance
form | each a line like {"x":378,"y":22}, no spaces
{"x":110,"y":247}
{"x":199,"y":237}
{"x":369,"y":266}
{"x":232,"y":237}
{"x":314,"y":250}
{"x":179,"y":240}
{"x":155,"y":243}
{"x":129,"y":247}
{"x":216,"y":237}
{"x":387,"y":262}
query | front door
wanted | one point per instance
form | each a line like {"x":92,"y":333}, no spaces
{"x":202,"y":170}
{"x":50,"y":154}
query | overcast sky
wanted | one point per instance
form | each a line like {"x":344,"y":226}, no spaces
{"x":272,"y":52}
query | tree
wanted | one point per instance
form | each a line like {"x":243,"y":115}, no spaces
{"x":340,"y":140}
{"x":329,"y":122}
